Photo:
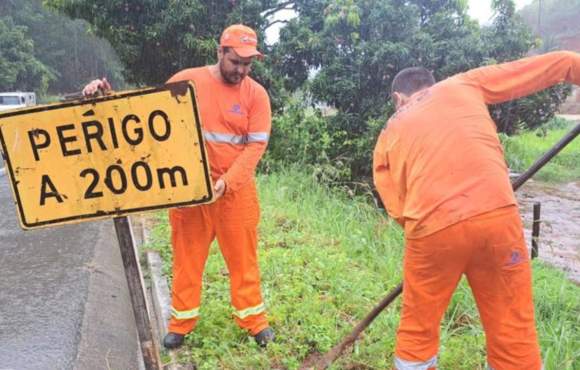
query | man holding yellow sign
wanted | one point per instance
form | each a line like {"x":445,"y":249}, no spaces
{"x":236,"y":118}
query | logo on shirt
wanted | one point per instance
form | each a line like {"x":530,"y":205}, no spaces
{"x":236,"y":109}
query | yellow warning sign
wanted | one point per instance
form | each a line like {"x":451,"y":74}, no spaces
{"x":110,"y":156}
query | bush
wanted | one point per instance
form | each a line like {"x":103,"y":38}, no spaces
{"x":521,"y":151}
{"x":326,"y":146}
{"x":531,"y":112}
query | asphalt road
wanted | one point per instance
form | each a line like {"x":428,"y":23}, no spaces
{"x":63,"y":296}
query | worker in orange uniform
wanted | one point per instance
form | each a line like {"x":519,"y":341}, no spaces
{"x":440,"y":171}
{"x":235,"y":114}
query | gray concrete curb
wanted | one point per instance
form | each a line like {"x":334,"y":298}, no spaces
{"x":159,"y":293}
{"x":158,"y":289}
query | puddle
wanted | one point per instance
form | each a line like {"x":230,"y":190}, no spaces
{"x":559,"y":243}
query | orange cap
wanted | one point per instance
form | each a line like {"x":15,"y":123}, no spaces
{"x":242,"y":39}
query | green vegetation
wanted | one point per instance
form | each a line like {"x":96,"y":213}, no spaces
{"x":326,"y":260}
{"x":21,"y":70}
{"x":48,"y":53}
{"x":155,"y":39}
{"x":335,"y":54}
{"x":524,"y":149}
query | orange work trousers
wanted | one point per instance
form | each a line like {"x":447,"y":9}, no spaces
{"x":233,"y":220}
{"x":490,"y":250}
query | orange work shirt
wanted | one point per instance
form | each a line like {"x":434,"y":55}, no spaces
{"x":236,"y":122}
{"x":439,"y":159}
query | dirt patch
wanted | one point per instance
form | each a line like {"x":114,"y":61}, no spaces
{"x":559,"y":243}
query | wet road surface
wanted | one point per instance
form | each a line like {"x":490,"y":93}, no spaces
{"x":52,"y":290}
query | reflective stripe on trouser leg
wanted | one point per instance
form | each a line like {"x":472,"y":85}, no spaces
{"x":238,"y":240}
{"x":185,"y":315}
{"x":401,"y":364}
{"x":191,"y":236}
{"x":242,"y":314}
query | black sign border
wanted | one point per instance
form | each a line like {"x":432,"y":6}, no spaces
{"x":176,"y":87}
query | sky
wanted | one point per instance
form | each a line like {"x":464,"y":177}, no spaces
{"x":481,"y":9}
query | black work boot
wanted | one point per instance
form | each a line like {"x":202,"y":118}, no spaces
{"x":173,"y":340}
{"x":264,"y":337}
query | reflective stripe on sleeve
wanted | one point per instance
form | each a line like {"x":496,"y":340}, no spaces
{"x":217,"y":137}
{"x":184,"y":315}
{"x":242,"y":314}
{"x":252,"y":137}
{"x":256,"y":137}
{"x":413,"y":365}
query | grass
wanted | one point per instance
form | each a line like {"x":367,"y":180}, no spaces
{"x":524,"y":149}
{"x":326,"y":260}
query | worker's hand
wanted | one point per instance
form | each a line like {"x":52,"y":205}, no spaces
{"x":219,"y":188}
{"x":94,"y":87}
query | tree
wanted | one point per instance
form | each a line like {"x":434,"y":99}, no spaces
{"x":345,"y":54}
{"x":65,"y":47}
{"x":340,"y":54}
{"x":155,"y":39}
{"x":508,"y":38}
{"x":20,"y":68}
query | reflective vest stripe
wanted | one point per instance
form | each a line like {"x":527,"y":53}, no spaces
{"x":414,"y":365}
{"x":252,"y":137}
{"x":242,"y":314}
{"x":184,"y":315}
{"x":255,"y":137}
{"x":223,"y":138}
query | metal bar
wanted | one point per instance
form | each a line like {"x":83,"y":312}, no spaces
{"x":536,"y":230}
{"x":337,"y":350}
{"x":137,"y":293}
{"x":546,"y":157}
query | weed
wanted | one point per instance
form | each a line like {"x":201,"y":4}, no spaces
{"x":326,"y":260}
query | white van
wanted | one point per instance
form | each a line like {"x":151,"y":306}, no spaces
{"x":12,"y":100}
